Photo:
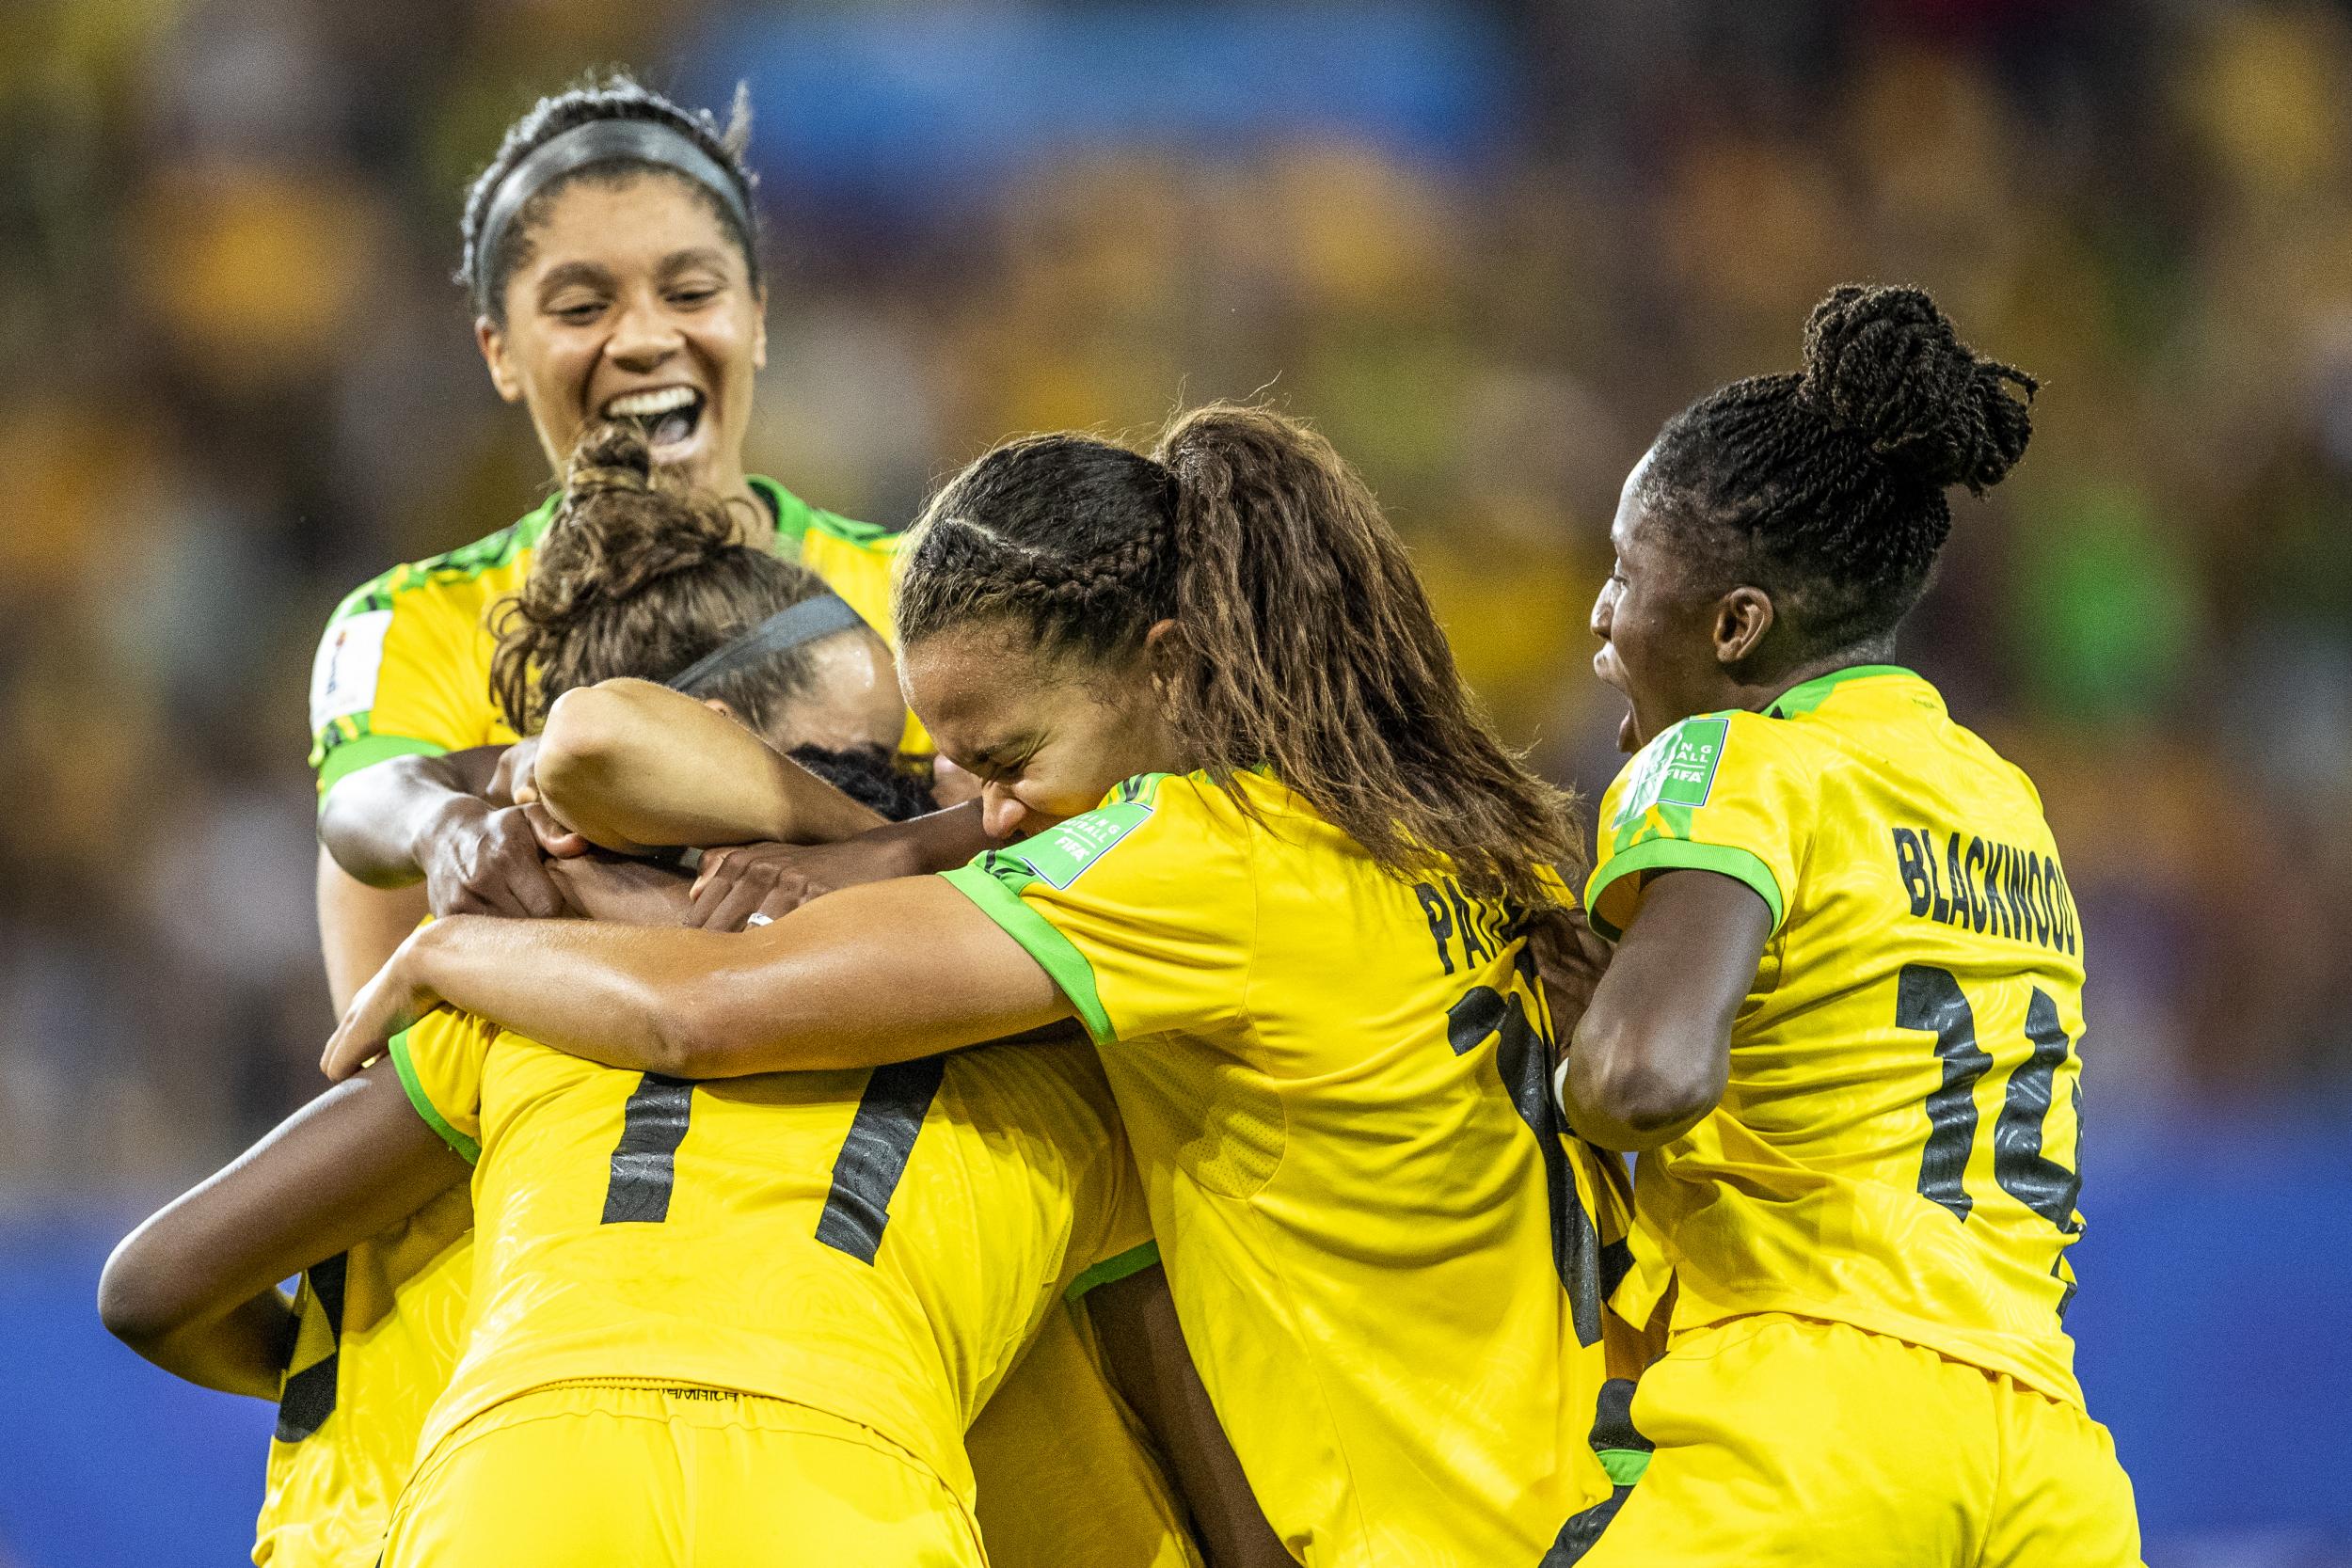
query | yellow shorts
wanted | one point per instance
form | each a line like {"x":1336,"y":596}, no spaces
{"x":583,"y":1474}
{"x":1788,"y":1440}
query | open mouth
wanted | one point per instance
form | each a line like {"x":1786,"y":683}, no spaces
{"x":669,"y":417}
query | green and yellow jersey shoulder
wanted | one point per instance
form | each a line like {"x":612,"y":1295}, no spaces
{"x":403,"y":669}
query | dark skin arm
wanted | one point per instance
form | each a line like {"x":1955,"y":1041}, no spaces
{"x":1135,"y":1318}
{"x":1652,"y":1053}
{"x":360,"y":926}
{"x":430,"y":818}
{"x":195,"y":1289}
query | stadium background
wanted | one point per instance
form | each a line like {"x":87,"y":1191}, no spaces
{"x":1488,"y":250}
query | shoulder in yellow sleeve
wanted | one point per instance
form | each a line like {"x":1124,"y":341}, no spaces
{"x":439,"y":1061}
{"x":1722,"y":792}
{"x":1140,"y":910}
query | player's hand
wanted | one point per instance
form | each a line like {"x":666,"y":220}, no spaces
{"x":385,"y":1005}
{"x":485,"y":859}
{"x":1569,"y":960}
{"x":514,"y":781}
{"x":770,"y":881}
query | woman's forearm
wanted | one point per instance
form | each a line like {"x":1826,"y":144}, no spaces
{"x":835,"y":983}
{"x":240,"y":1352}
{"x":629,"y":764}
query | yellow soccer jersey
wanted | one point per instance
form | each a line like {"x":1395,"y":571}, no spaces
{"x":403,"y":669}
{"x":1066,"y":1478}
{"x":1387,"y":1263}
{"x":1897,"y":1149}
{"x":378,"y":1329}
{"x":879,"y":1245}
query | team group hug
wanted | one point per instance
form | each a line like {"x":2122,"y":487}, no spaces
{"x":1061,"y":1035}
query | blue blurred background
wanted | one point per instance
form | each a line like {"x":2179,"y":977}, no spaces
{"x":1488,"y":249}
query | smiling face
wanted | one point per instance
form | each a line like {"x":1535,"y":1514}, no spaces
{"x":1668,"y":639}
{"x":634,"y":301}
{"x":1046,"y":737}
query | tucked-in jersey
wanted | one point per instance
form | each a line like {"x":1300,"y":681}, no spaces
{"x":1387,"y":1265}
{"x":377,"y":1332}
{"x":876,"y":1244}
{"x":403,"y":669}
{"x":1896,"y":1148}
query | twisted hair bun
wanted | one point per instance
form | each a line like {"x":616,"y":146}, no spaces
{"x":609,"y":457}
{"x":1886,"y":364}
{"x":619,"y":529}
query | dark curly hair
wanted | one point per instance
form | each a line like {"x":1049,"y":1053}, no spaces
{"x":1825,"y":489}
{"x":639,"y":576}
{"x":1302,"y":642}
{"x":618,"y":96}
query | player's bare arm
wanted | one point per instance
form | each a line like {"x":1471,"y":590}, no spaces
{"x":629,"y":764}
{"x":1144,"y":1348}
{"x":195,"y":1289}
{"x":429,"y":817}
{"x":1653,"y":1051}
{"x":813,"y":989}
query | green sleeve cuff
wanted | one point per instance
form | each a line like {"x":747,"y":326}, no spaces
{"x":1678,"y":854}
{"x":1111,"y":1270}
{"x":342,"y":759}
{"x":1053,"y":952}
{"x":468,"y":1149}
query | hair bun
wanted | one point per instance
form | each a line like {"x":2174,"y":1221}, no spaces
{"x":1886,"y":363}
{"x":609,"y":457}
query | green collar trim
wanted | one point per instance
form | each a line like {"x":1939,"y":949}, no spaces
{"x":1805,"y":696}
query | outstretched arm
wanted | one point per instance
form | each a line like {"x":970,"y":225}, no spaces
{"x":195,"y":1289}
{"x":1653,"y":1051}
{"x":628,"y":765}
{"x":868,"y":976}
{"x":1144,"y":1348}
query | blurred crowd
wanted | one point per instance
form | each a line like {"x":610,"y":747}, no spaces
{"x":235,"y":381}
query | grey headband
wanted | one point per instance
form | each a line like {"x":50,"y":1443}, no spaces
{"x":600,"y":141}
{"x":786,"y":628}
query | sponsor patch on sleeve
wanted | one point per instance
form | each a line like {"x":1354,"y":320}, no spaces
{"x":1676,"y":769}
{"x":1060,"y":855}
{"x":350,"y":657}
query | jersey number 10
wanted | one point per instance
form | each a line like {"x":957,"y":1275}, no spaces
{"x":1929,"y":999}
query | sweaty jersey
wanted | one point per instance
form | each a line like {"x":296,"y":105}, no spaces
{"x":879,"y":1244}
{"x":378,"y":1330}
{"x":403,"y":669}
{"x":1387,"y":1265}
{"x":1896,"y":1148}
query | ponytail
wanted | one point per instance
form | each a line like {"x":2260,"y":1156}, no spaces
{"x":1302,"y":641}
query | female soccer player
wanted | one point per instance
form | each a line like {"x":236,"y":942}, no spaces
{"x":1021,"y":1150}
{"x":1843,"y":1008}
{"x":1287,"y":878}
{"x":612,"y":253}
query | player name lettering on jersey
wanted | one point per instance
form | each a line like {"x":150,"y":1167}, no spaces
{"x":1980,"y":884}
{"x":1463,"y":924}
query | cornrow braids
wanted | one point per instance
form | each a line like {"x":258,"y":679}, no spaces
{"x":616,"y":97}
{"x":639,"y":576}
{"x":1302,"y":641}
{"x":1826,"y":488}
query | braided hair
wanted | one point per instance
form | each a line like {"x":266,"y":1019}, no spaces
{"x":617,"y":97}
{"x":1302,"y":641}
{"x":637,"y":574}
{"x":1826,"y":488}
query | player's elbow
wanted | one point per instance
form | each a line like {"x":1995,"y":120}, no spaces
{"x":586,"y":738}
{"x":135,"y":1300}
{"x":1635,"y":1087}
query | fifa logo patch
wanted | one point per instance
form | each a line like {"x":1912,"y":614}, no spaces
{"x":1060,"y":854}
{"x":1678,"y":769}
